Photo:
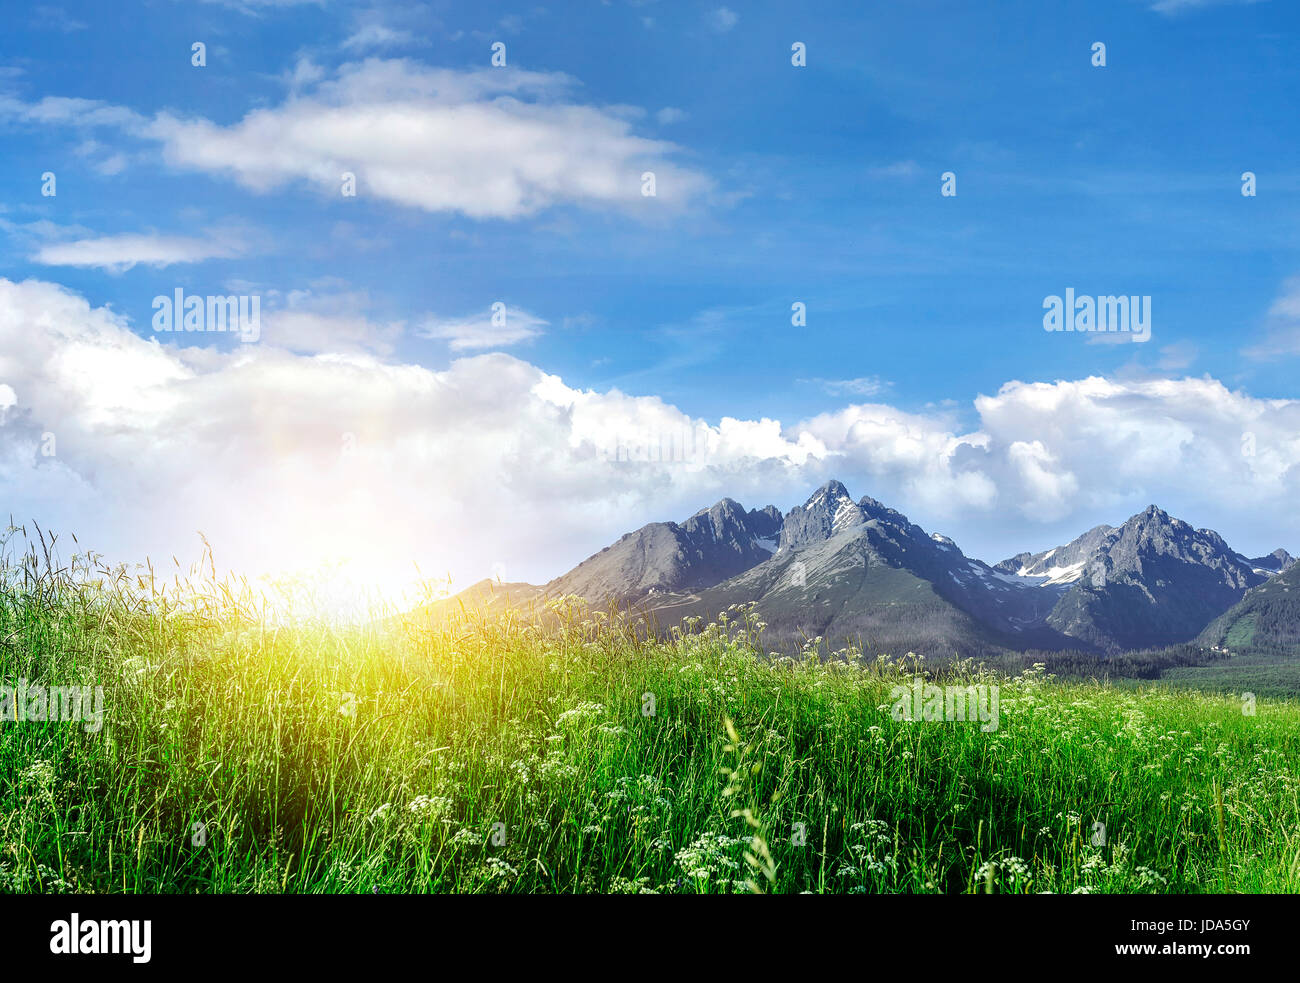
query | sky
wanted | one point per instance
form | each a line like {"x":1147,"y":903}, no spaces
{"x":480,"y":333}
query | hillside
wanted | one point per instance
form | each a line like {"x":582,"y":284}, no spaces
{"x":709,"y":547}
{"x":1267,"y":618}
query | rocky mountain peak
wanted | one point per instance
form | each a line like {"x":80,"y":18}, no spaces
{"x":766,"y":522}
{"x":828,"y":510}
{"x":1279,"y":561}
{"x":832,"y":493}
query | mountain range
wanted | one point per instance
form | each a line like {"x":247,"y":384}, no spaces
{"x":845,"y":569}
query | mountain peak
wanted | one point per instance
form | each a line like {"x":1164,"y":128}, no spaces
{"x":722,"y":505}
{"x":833,"y":490}
{"x":828,"y":510}
{"x":1155,"y":521}
{"x":1279,"y":561}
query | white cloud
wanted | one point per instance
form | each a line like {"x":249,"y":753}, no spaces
{"x":111,"y":165}
{"x":509,"y":326}
{"x":863,"y":386}
{"x":61,"y":110}
{"x":119,"y":253}
{"x":314,"y":323}
{"x":1121,"y":442}
{"x":489,"y":143}
{"x":372,"y":36}
{"x":285,"y":459}
{"x":30,"y":235}
{"x":920,"y":456}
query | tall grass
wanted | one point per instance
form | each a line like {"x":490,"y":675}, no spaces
{"x":483,"y":755}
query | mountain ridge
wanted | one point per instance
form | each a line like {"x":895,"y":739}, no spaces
{"x":833,"y":566}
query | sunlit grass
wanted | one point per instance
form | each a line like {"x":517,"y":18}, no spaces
{"x":239,"y":754}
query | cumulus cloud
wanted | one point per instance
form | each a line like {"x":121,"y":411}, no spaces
{"x":920,"y":457}
{"x":312,"y":322}
{"x":287,"y":458}
{"x":1099,"y":443}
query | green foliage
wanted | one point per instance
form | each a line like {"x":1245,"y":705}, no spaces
{"x":1261,"y":673}
{"x":1242,"y":633}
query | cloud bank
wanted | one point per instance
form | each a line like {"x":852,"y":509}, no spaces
{"x":288,"y":458}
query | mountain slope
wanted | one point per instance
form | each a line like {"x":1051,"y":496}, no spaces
{"x":1268,"y":617}
{"x":709,"y":547}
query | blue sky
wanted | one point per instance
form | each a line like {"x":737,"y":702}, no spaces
{"x":776,"y":184}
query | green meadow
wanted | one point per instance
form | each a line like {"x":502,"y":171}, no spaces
{"x":240,"y":754}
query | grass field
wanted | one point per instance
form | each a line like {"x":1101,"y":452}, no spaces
{"x":237,"y":755}
{"x":1260,"y":673}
